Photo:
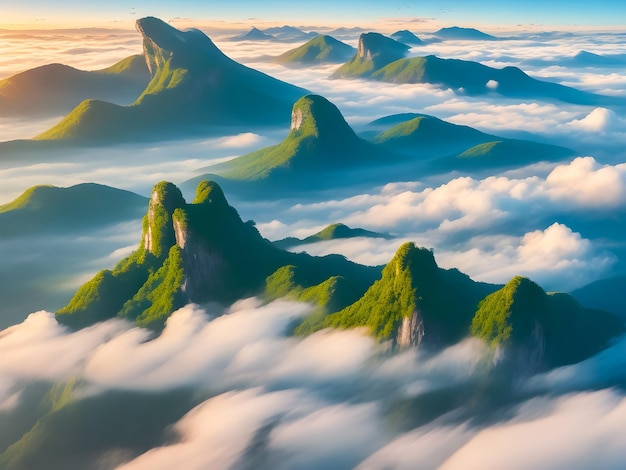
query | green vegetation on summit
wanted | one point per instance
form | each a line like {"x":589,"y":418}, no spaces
{"x":194,"y":86}
{"x":506,"y":152}
{"x":321,"y":49}
{"x":550,"y":329}
{"x":199,"y":252}
{"x":55,"y":89}
{"x":332,"y":232}
{"x":49,"y":209}
{"x":415,"y":301}
{"x":421,"y":131}
{"x":320,"y":141}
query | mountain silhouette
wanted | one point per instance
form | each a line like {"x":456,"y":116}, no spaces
{"x":194,"y":88}
{"x":320,"y":49}
{"x":55,"y":89}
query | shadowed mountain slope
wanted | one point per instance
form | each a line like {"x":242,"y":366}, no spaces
{"x":49,"y":209}
{"x":194,"y":88}
{"x":54,"y":89}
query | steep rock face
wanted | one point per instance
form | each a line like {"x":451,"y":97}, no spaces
{"x":535,"y":330}
{"x":374,"y":52}
{"x":411,"y":331}
{"x":193,"y":85}
{"x":196,"y":252}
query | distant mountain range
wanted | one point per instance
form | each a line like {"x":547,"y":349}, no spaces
{"x":254,"y":34}
{"x":194,"y":86}
{"x":54,"y":89}
{"x":382,"y":58}
{"x":278,"y":33}
{"x":336,"y":231}
{"x":320,"y":49}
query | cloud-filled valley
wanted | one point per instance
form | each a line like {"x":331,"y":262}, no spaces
{"x":237,"y":385}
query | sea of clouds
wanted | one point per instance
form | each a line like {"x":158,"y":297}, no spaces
{"x":323,"y":401}
{"x":276,"y":401}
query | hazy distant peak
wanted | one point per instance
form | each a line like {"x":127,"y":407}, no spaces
{"x":373,"y":44}
{"x":406,"y":37}
{"x":457,"y":32}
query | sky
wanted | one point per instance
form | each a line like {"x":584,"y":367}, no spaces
{"x":121,"y":13}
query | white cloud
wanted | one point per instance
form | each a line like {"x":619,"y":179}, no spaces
{"x":568,"y":436}
{"x":600,"y":120}
{"x":216,"y":433}
{"x":586,"y":183}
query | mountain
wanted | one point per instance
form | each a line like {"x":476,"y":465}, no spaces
{"x":346,"y":32}
{"x":407,"y":37}
{"x":54,"y":89}
{"x":414,"y":302}
{"x":473,"y":78}
{"x":374,"y":52}
{"x":319,"y":143}
{"x":194,"y":86}
{"x":61,"y":433}
{"x":542,"y":330}
{"x":503,"y":153}
{"x":289,"y":33}
{"x":456,"y":32}
{"x":417,"y":303}
{"x":605,"y":294}
{"x":321,"y":49}
{"x":589,"y":59}
{"x":463,"y":148}
{"x":425,"y":133}
{"x":332,"y":232}
{"x":50,"y":209}
{"x":254,"y":34}
{"x":196,"y":252}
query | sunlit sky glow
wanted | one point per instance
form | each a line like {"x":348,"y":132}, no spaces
{"x":425,"y":15}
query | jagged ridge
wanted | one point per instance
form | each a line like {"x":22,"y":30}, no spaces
{"x":194,"y":252}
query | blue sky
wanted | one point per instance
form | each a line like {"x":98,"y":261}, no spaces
{"x":480,"y":13}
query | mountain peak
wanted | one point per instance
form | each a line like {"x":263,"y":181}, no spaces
{"x":420,"y":261}
{"x":162,"y":42}
{"x":314,"y":115}
{"x":374,"y":46}
{"x":209,"y":192}
{"x":374,"y":52}
{"x":196,"y":252}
